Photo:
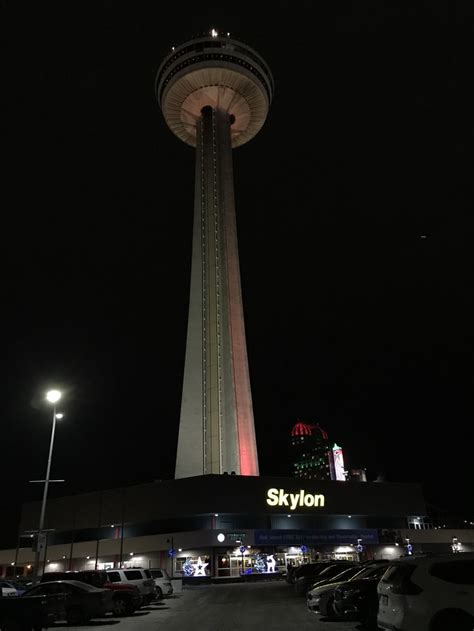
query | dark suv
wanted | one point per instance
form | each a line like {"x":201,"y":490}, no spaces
{"x":306,"y":569}
{"x":97,"y":578}
{"x":127,"y":597}
{"x":357,"y":598}
{"x":304,"y":582}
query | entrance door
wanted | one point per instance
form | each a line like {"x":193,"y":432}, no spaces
{"x":235,"y":563}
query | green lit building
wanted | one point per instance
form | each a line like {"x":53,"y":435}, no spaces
{"x":310,"y":452}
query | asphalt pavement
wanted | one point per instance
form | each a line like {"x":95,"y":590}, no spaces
{"x":266,"y":606}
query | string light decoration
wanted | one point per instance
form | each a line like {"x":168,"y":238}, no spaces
{"x":188,"y":568}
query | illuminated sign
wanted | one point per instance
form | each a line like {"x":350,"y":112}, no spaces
{"x":278,"y":497}
{"x":236,"y":537}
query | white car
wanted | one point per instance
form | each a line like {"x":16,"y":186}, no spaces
{"x":162,"y":580}
{"x":7,"y":589}
{"x":428,"y":593}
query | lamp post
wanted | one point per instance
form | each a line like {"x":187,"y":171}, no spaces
{"x":52,"y":396}
{"x":171,"y":554}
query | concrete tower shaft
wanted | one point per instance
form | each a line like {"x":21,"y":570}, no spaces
{"x":215,"y":94}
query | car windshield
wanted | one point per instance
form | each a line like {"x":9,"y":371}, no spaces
{"x":347,"y":574}
{"x":310,"y":568}
{"x":371,"y":571}
{"x":330,"y":571}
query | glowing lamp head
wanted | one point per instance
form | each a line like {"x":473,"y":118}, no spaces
{"x":59,"y":416}
{"x":53,"y":396}
{"x":220,"y":537}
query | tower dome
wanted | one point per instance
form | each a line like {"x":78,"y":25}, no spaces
{"x":306,"y":429}
{"x":219,"y":72}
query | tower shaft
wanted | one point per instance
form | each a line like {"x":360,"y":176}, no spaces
{"x":216,"y":431}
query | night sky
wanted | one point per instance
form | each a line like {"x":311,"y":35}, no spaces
{"x":354,"y":209}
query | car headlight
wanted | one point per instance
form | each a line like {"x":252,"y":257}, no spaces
{"x":350,"y":592}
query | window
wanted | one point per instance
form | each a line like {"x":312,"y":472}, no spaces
{"x":114,"y":577}
{"x":458,"y":572}
{"x":179,"y":562}
{"x":157,"y":573}
{"x":53,"y":588}
{"x":133,"y":575}
{"x":69,"y":589}
{"x":36,"y":591}
{"x":374,"y":571}
{"x":396,"y":574}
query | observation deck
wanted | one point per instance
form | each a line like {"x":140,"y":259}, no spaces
{"x":215,"y":71}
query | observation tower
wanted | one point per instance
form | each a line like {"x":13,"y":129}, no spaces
{"x":215,"y":93}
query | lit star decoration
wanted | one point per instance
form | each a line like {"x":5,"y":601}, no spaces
{"x":199,"y":567}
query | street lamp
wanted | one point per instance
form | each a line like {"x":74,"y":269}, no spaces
{"x":52,"y":396}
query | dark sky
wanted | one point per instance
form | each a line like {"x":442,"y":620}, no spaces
{"x":353,"y":319}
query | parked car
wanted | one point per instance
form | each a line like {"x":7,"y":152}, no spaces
{"x":7,"y":589}
{"x":320,"y":598}
{"x":357,"y":598}
{"x":139,"y":577}
{"x":23,"y":613}
{"x":19,"y":587}
{"x":97,"y":578}
{"x":306,"y":569}
{"x":162,"y":580}
{"x":76,"y":602}
{"x":127,"y":597}
{"x":428,"y":593}
{"x":304,"y":582}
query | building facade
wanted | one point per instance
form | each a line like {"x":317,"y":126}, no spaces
{"x":233,"y":523}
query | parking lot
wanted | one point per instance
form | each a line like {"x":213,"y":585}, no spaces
{"x":267,"y":606}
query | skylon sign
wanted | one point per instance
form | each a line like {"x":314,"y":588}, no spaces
{"x":278,"y":497}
